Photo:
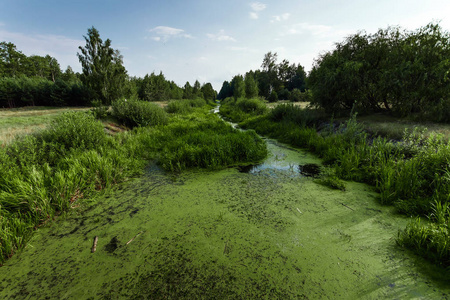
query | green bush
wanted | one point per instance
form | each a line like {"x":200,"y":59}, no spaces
{"x":134,"y":113}
{"x":295,"y":114}
{"x":75,"y":130}
{"x":252,"y":106}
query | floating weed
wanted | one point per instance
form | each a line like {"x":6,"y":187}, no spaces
{"x":411,"y":174}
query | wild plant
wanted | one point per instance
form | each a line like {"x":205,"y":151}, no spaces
{"x":134,"y":113}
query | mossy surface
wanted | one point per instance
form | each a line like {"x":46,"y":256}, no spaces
{"x":270,"y":233}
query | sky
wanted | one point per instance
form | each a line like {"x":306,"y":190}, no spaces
{"x":205,"y":40}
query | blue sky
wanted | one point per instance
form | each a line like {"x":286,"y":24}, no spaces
{"x":209,"y":41}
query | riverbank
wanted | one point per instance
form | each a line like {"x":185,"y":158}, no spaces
{"x":411,"y":175}
{"x":225,"y":234}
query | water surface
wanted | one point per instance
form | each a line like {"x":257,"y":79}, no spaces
{"x":270,"y":232}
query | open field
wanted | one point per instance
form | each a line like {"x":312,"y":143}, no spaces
{"x":393,"y":128}
{"x":385,"y":125}
{"x":18,"y":121}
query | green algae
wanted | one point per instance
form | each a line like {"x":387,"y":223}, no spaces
{"x":270,"y":233}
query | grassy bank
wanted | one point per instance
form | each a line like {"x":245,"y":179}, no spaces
{"x":26,"y":120}
{"x":47,"y":173}
{"x":412,"y":175}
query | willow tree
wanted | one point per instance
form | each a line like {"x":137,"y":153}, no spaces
{"x":103,"y":70}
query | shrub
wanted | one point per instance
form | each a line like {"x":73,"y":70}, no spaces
{"x":273,"y":96}
{"x":75,"y":130}
{"x":253,"y":106}
{"x":134,"y":113}
{"x":295,"y":114}
{"x":99,"y":110}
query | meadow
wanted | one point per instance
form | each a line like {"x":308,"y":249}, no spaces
{"x":21,"y":121}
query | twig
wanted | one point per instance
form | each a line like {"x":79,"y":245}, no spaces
{"x":299,"y":210}
{"x":348,"y":206}
{"x":94,"y":247}
{"x":225,"y":248}
{"x":134,"y":237}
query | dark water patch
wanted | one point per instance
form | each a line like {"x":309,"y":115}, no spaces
{"x":133,"y":212}
{"x":247,"y":168}
{"x":112,"y":245}
{"x":310,"y":170}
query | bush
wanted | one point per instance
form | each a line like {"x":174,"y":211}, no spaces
{"x":273,"y":96}
{"x":75,"y":130}
{"x":295,"y":114}
{"x":253,"y":106}
{"x":99,"y":110}
{"x":134,"y":113}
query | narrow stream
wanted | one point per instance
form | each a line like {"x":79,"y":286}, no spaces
{"x":251,"y":232}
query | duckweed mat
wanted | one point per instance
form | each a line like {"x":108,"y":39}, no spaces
{"x":270,"y":233}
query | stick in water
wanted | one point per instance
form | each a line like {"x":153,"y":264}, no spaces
{"x":134,"y":237}
{"x":94,"y":247}
{"x":347,"y":206}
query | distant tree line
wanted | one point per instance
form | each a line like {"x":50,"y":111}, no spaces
{"x":405,"y":72}
{"x":39,"y":80}
{"x":36,"y":80}
{"x":274,"y":81}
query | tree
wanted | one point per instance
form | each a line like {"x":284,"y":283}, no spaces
{"x":269,"y":62}
{"x":251,"y":86}
{"x":12,"y":60}
{"x":208,"y":92}
{"x":238,"y":87}
{"x":188,"y":91}
{"x":103,"y":70}
{"x":225,"y":91}
{"x":196,"y":90}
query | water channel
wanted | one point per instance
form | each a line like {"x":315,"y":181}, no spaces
{"x":249,"y":232}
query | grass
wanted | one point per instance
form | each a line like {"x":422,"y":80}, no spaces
{"x":46,"y":173}
{"x":412,"y":174}
{"x":26,"y":120}
{"x":394,"y":128}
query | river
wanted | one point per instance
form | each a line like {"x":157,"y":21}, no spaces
{"x":249,"y":232}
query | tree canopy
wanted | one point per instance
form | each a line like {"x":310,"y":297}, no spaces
{"x":401,"y":71}
{"x":103,"y":70}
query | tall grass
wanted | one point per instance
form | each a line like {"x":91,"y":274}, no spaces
{"x":44,"y":174}
{"x":413,"y":175}
{"x":184,"y":106}
{"x":134,"y":113}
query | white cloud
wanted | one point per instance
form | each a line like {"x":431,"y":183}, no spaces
{"x":316,"y":30}
{"x":280,"y":18}
{"x":164,"y":33}
{"x":243,"y":49}
{"x":253,"y":15}
{"x":256,"y":8}
{"x":220,"y":37}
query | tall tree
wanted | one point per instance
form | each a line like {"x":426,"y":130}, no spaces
{"x":251,"y":86}
{"x":238,"y":87}
{"x":103,"y":70}
{"x":208,"y":92}
{"x":225,"y":91}
{"x":196,"y":90}
{"x":188,"y":91}
{"x":11,"y":59}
